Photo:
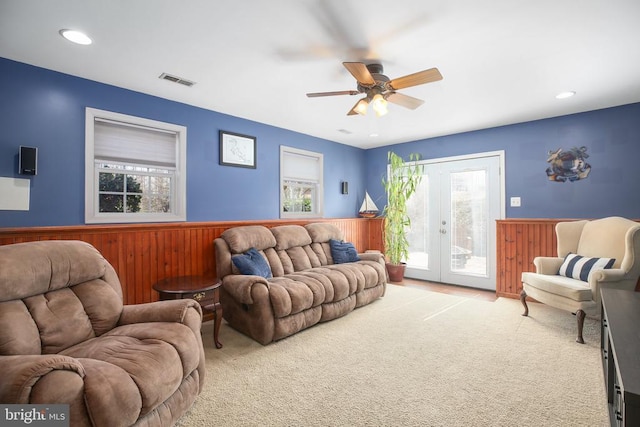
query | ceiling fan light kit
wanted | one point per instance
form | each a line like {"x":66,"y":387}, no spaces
{"x":361,"y":107}
{"x":379,"y":105}
{"x":379,"y":89}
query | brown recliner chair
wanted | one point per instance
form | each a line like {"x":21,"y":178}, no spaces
{"x":67,"y":338}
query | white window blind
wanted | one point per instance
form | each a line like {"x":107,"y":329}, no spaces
{"x":300,"y":167}
{"x":132,"y":143}
{"x":148,"y":156}
{"x":301,"y":183}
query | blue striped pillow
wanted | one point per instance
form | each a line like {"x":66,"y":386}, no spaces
{"x":579,"y":267}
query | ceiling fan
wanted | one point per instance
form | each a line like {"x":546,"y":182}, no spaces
{"x":379,"y":89}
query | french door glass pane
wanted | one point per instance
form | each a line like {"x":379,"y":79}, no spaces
{"x":469,"y":222}
{"x":419,"y":236}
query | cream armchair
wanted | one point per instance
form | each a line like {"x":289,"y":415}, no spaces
{"x":557,"y":281}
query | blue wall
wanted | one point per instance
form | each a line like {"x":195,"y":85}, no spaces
{"x":46,"y":109}
{"x":612,"y":138}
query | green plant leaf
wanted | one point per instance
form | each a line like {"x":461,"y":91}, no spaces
{"x":400,"y":185}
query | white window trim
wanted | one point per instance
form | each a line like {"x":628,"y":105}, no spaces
{"x":92,"y":214}
{"x":320,"y":194}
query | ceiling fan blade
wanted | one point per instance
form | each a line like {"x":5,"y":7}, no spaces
{"x":415,"y":79}
{"x":405,"y":100}
{"x":360,"y":72}
{"x":353,"y":111}
{"x":342,"y":92}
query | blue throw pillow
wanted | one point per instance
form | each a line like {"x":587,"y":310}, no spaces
{"x":579,"y":267}
{"x":342,"y":252}
{"x":252,"y":263}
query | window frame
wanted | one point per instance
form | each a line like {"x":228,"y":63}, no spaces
{"x":179,"y":186}
{"x":316,"y":211}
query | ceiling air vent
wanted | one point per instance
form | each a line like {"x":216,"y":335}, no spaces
{"x":176,"y":79}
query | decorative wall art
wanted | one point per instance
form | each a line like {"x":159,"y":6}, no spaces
{"x":569,"y":165}
{"x":237,"y":150}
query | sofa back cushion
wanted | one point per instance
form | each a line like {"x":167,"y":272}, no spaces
{"x":55,"y":294}
{"x":321,"y":232}
{"x":286,"y":248}
{"x":241,"y":239}
{"x":293,"y":249}
{"x":321,"y":236}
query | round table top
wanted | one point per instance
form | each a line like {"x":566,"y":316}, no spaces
{"x":183,"y":284}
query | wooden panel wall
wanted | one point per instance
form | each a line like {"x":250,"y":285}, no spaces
{"x":145,"y":253}
{"x":518,"y":242}
{"x":142,"y":254}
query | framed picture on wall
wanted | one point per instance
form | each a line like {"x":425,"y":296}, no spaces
{"x":237,"y":150}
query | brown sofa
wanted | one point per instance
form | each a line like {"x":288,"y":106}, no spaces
{"x":305,"y":287}
{"x":67,"y":338}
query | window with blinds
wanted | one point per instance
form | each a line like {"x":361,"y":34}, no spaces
{"x":301,"y":189}
{"x":135,"y":169}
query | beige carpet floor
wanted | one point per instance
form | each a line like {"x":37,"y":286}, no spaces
{"x":411,"y":358}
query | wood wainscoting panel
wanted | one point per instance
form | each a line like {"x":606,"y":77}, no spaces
{"x":143,"y":254}
{"x":519,"y":241}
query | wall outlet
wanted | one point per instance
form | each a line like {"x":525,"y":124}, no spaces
{"x":515,"y":202}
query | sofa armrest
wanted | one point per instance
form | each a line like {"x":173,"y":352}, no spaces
{"x":239,"y":286}
{"x":160,"y":311}
{"x":614,"y":277}
{"x":608,"y":275}
{"x":20,"y":374}
{"x":547,"y":265}
{"x":371,"y":256}
{"x":185,"y":311}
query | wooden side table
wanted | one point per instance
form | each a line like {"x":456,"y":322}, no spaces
{"x":205,"y":290}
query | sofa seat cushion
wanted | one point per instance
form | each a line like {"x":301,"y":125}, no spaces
{"x":292,"y":294}
{"x":340,"y":281}
{"x":155,"y":356}
{"x":369,"y":274}
{"x":566,"y":287}
{"x":299,"y":291}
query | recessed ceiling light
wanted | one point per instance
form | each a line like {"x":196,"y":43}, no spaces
{"x":75,"y":37}
{"x":563,"y":95}
{"x":373,"y":135}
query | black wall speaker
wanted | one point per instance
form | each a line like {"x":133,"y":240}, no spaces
{"x":344,"y":187}
{"x":28,"y":160}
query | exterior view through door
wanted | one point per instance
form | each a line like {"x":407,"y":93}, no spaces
{"x":453,"y":221}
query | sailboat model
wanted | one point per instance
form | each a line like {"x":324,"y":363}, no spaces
{"x":368,"y":208}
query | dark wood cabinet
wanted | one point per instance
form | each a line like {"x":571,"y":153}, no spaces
{"x":620,"y":348}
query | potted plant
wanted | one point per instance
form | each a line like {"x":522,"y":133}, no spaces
{"x":401,"y":183}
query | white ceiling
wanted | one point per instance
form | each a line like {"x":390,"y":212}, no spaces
{"x":503,"y":61}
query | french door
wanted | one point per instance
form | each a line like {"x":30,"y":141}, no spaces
{"x":453,"y":221}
